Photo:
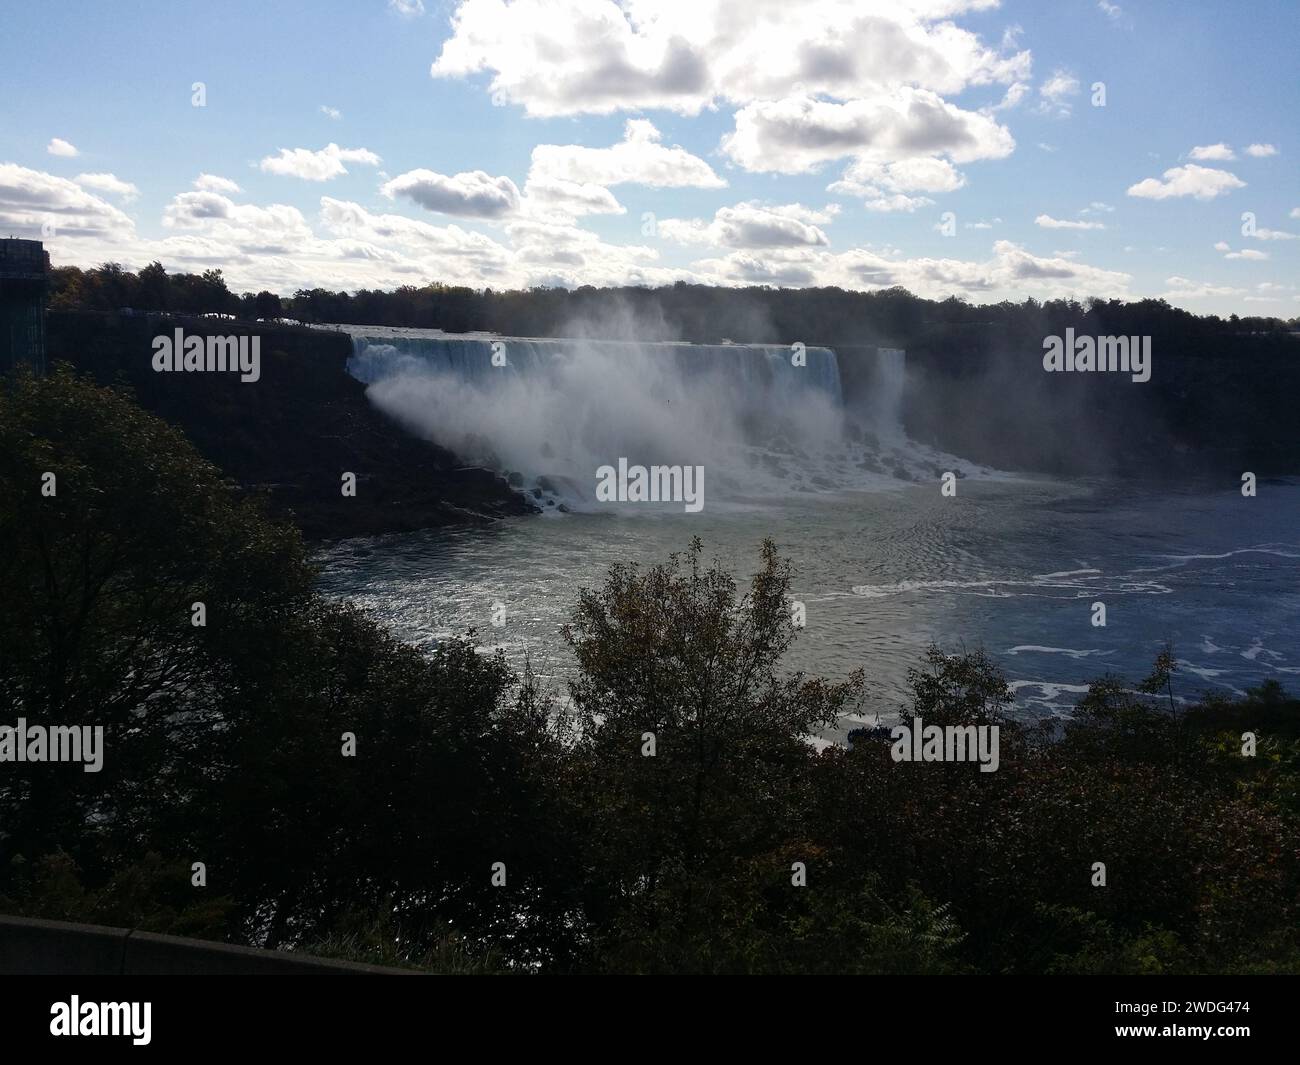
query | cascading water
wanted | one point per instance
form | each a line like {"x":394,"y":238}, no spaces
{"x":763,"y":420}
{"x":885,"y":402}
{"x":757,"y":369}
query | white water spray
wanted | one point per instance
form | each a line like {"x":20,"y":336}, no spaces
{"x":764,"y":420}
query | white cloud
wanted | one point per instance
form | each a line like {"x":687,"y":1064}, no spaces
{"x":1182,"y":288}
{"x":275,"y":246}
{"x":346,"y":219}
{"x":1271,"y":234}
{"x":751,"y":225}
{"x":921,"y":174}
{"x":1015,"y":93}
{"x":109,"y":183}
{"x":1046,"y":221}
{"x":1011,"y":272}
{"x":317,"y":166}
{"x":331,"y":112}
{"x":276,"y":229}
{"x":348,"y":246}
{"x":38,"y":205}
{"x":448,"y":252}
{"x":1056,"y":91}
{"x":188,"y":208}
{"x":1201,"y":182}
{"x":570,"y":198}
{"x":1261,"y":151}
{"x":1213,"y":153}
{"x":1295,"y":212}
{"x":812,"y":215}
{"x":799,"y":133}
{"x":565,"y":57}
{"x":746,"y":268}
{"x":560,"y":252}
{"x":885,"y":202}
{"x":472,"y":194}
{"x":1097,"y":207}
{"x":58,"y":146}
{"x":213,"y":183}
{"x":884,"y":186}
{"x":638,"y":159}
{"x":1246,"y":253}
{"x":407,"y":8}
{"x":1112,"y":11}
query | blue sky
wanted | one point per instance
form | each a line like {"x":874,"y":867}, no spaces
{"x":950,"y":146}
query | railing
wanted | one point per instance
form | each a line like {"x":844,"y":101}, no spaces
{"x":31,"y":947}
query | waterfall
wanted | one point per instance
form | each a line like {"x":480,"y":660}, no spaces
{"x":755,"y":369}
{"x":886,"y":396}
{"x":765,"y":420}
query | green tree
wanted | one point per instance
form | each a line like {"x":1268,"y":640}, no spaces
{"x":671,"y":656}
{"x":224,"y":742}
{"x":111,"y":531}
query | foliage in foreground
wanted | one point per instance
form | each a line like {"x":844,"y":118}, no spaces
{"x":224,"y":746}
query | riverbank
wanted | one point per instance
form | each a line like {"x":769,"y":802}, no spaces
{"x":291,"y":435}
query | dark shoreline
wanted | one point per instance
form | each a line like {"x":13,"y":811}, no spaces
{"x":289,"y":437}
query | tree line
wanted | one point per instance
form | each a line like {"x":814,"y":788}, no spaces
{"x":698,"y":313}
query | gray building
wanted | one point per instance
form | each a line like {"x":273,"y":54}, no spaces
{"x":24,"y":281}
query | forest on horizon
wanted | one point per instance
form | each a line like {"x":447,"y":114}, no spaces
{"x":697,"y":313}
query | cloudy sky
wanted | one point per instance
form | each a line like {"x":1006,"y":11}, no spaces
{"x":991,"y":150}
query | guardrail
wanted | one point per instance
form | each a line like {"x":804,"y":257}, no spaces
{"x":32,"y":947}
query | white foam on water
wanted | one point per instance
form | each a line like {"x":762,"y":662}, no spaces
{"x":1177,"y":561}
{"x":1079,"y":584}
{"x":1071,"y":652}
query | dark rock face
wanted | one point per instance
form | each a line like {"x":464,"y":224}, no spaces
{"x":291,"y":435}
{"x":1215,"y":405}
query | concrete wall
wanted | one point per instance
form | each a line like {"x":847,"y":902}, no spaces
{"x":30,"y":947}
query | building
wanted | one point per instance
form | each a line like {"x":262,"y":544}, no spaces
{"x":24,"y":281}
